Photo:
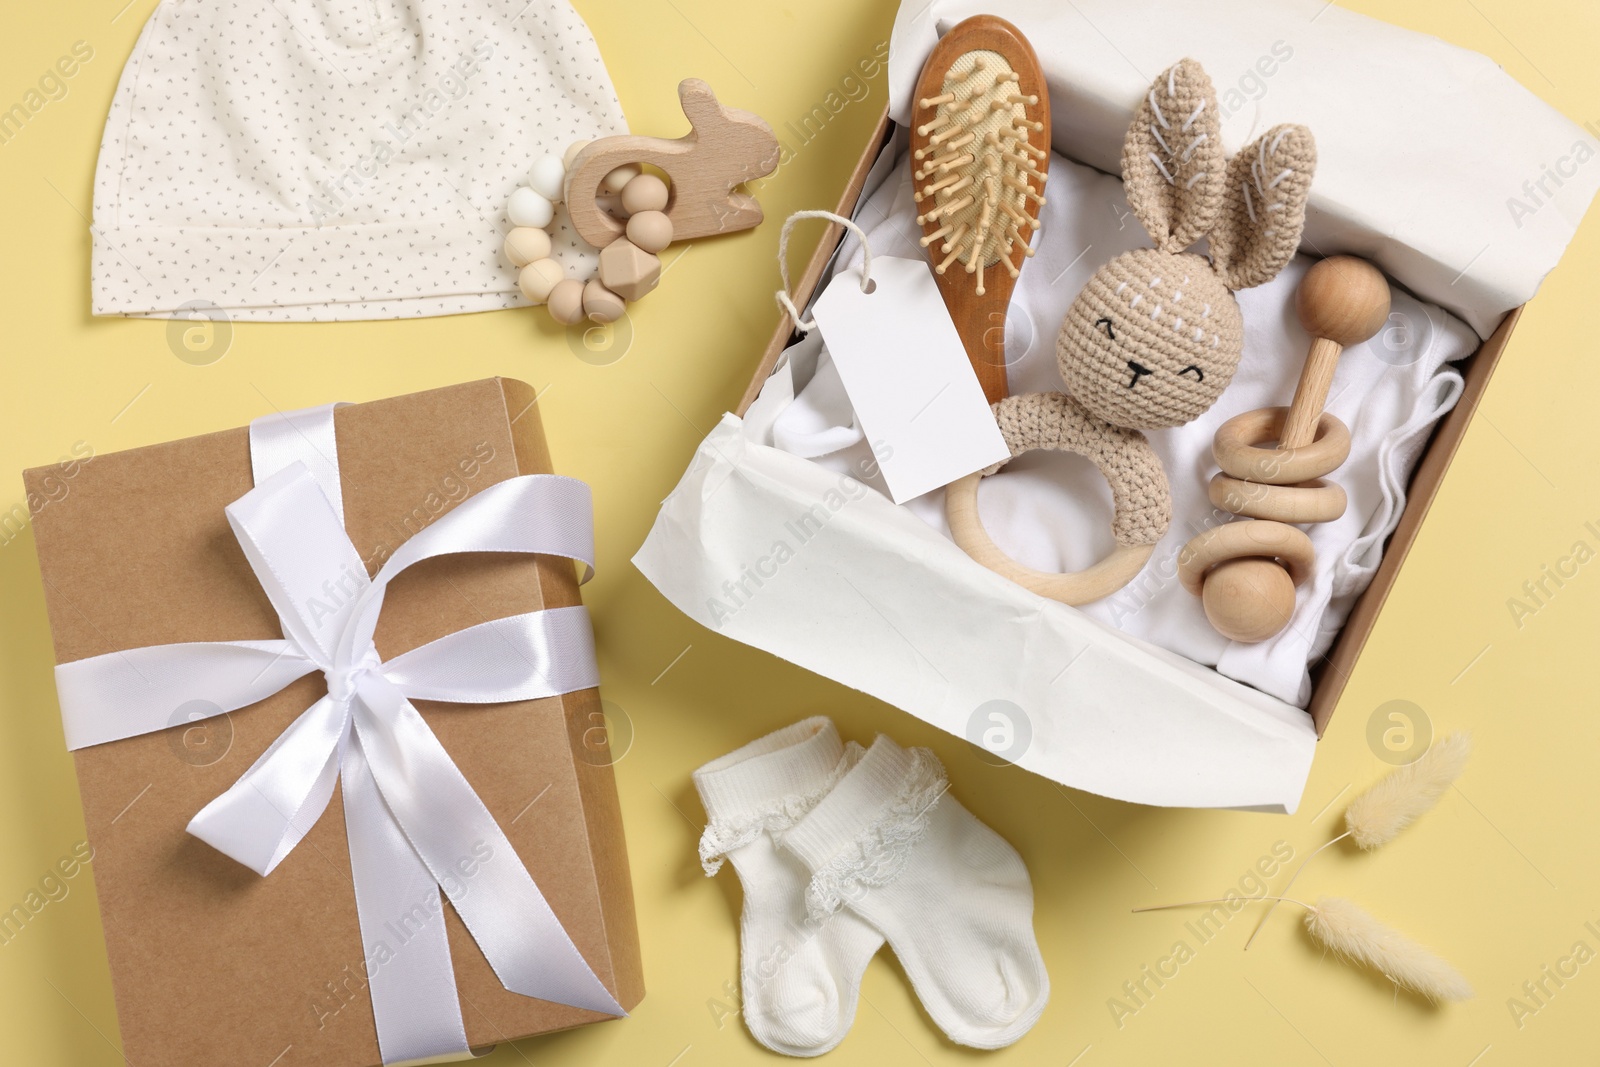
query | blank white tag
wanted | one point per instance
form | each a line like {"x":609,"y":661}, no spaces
{"x":903,"y":365}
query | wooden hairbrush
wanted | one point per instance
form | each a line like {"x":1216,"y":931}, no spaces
{"x":980,"y":150}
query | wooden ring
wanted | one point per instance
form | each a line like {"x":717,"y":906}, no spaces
{"x":1076,"y":587}
{"x":1236,"y":452}
{"x":1314,"y":501}
{"x":1237,"y":540}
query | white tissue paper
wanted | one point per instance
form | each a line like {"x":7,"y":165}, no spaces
{"x":779,"y":534}
{"x":1052,"y":511}
{"x":1432,"y":161}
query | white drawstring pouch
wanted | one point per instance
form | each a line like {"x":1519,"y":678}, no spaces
{"x":309,"y":160}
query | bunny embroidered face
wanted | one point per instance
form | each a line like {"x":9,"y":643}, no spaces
{"x":1155,"y":335}
{"x":1151,"y":341}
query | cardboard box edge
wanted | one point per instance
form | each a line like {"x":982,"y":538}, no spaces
{"x":597,"y":788}
{"x":1333,"y":674}
{"x":807,"y":284}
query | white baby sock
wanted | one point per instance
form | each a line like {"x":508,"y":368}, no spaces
{"x":952,"y":897}
{"x":799,"y":978}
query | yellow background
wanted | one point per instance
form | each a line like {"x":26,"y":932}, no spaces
{"x":1500,"y":879}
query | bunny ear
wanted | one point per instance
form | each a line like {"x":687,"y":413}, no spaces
{"x":1268,"y":184}
{"x":1172,"y":160}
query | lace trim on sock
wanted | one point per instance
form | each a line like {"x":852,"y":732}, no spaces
{"x":879,"y":852}
{"x":722,"y":836}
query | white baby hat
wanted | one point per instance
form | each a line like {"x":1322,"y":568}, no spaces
{"x":336,"y":159}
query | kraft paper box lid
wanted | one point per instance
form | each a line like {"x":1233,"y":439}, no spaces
{"x":210,"y":962}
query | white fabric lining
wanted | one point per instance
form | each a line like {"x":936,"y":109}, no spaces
{"x":1053,"y":512}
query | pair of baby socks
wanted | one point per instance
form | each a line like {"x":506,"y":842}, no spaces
{"x":839,"y":849}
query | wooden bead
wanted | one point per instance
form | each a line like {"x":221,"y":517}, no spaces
{"x":1343,"y":299}
{"x":538,"y":278}
{"x":526,"y":244}
{"x":1248,"y":599}
{"x":644,"y":193}
{"x":547,"y":177}
{"x":601,"y":304}
{"x":617,"y":180}
{"x":650,"y":230}
{"x":528,"y":208}
{"x":572,"y":152}
{"x":628,"y":270}
{"x":566,"y":302}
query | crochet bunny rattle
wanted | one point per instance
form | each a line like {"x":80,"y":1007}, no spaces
{"x":1155,"y":335}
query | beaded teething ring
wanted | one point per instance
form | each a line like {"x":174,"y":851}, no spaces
{"x":628,"y":268}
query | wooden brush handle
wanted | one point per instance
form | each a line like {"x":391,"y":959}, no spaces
{"x":980,"y":319}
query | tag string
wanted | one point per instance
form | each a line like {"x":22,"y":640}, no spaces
{"x":784,"y":301}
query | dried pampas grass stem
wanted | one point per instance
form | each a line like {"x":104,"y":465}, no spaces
{"x":1377,"y":816}
{"x":1357,"y":937}
{"x":1219,"y":900}
{"x":1393,"y":803}
{"x":1290,"y":885}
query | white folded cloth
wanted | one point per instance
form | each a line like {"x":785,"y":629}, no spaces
{"x":1053,"y":512}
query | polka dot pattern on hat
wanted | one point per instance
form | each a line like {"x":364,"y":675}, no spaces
{"x":314,"y":160}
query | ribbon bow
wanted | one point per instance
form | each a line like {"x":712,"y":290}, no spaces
{"x":415,"y":825}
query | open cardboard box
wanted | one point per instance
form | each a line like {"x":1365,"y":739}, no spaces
{"x":882,"y":602}
{"x":1333,"y":671}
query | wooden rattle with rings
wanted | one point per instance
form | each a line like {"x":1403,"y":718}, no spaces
{"x":1246,"y":572}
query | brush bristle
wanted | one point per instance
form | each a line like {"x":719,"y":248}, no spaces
{"x":1375,"y":817}
{"x":979,"y":176}
{"x":1357,"y":936}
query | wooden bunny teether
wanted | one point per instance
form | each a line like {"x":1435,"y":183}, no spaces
{"x":1155,"y":335}
{"x":724,"y":147}
{"x":1238,"y":570}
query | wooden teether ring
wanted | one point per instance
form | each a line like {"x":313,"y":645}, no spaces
{"x":1314,"y":501}
{"x":1074,"y":587}
{"x":1264,"y":538}
{"x":1238,"y":452}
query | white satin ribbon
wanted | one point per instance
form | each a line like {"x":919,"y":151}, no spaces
{"x":415,"y":824}
{"x":279,"y":439}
